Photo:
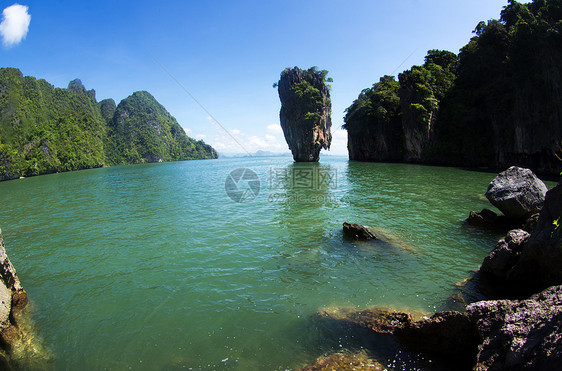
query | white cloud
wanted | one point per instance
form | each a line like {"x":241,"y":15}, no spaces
{"x":339,"y":142}
{"x":274,"y":129}
{"x":242,"y":142}
{"x":187,"y":131}
{"x":15,"y":24}
{"x":200,"y":136}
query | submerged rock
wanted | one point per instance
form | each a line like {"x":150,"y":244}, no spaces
{"x":517,"y":192}
{"x":378,"y":320}
{"x":305,"y":112}
{"x":357,"y":232}
{"x":344,"y":361}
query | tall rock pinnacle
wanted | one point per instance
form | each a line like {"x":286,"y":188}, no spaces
{"x":305,"y":112}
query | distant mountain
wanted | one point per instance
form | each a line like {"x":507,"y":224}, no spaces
{"x":141,"y":130}
{"x":44,"y":129}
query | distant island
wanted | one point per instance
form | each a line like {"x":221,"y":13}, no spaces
{"x":259,"y":153}
{"x":44,"y":129}
{"x":496,"y":104}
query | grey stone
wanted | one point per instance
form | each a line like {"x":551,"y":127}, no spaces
{"x":517,"y":192}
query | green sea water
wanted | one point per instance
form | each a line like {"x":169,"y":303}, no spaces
{"x":155,"y":267}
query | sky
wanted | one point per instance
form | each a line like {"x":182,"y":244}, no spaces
{"x":212,"y":63}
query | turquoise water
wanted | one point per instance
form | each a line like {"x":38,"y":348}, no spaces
{"x":154,"y":267}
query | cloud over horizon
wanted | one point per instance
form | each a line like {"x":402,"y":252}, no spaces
{"x":14,"y":25}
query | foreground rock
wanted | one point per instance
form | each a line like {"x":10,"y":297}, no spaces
{"x":517,"y":192}
{"x":523,"y":264}
{"x":357,"y":232}
{"x":495,"y":334}
{"x":19,"y":348}
{"x":305,"y":112}
{"x":524,"y":334}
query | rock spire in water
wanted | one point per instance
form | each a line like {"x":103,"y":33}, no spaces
{"x":305,"y":112}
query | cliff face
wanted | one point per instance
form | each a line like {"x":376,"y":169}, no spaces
{"x":305,"y":112}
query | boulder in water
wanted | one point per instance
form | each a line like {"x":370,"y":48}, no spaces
{"x":357,"y":232}
{"x":517,"y":192}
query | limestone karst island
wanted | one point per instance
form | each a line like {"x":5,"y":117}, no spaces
{"x":393,"y":203}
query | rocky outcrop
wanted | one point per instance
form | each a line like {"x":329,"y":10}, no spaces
{"x":357,"y":232}
{"x":305,"y":112}
{"x":506,"y":253}
{"x":13,"y":300}
{"x":495,"y":334}
{"x":522,"y":334}
{"x":517,"y":192}
{"x":523,"y":264}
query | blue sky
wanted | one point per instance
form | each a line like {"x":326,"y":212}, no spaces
{"x":229,"y":53}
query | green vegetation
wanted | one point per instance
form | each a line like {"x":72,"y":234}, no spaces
{"x":143,"y":131}
{"x":497,"y":103}
{"x":379,"y":105}
{"x":44,"y":129}
{"x":308,"y":95}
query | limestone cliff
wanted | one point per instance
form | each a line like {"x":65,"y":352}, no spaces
{"x":376,"y":135}
{"x":305,"y":112}
{"x":495,"y":105}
